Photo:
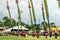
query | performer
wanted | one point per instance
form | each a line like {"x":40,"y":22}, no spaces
{"x":56,"y":35}
{"x":37,"y":34}
{"x":23,"y":34}
{"x":50,"y":34}
{"x":46,"y":34}
{"x":33,"y":34}
{"x":17,"y":33}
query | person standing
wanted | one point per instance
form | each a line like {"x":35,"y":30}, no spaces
{"x":23,"y":33}
{"x":37,"y":34}
{"x":33,"y":34}
{"x":50,"y":32}
{"x":46,"y":34}
{"x":56,"y":33}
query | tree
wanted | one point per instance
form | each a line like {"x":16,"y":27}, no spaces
{"x":14,"y":23}
{"x":5,"y":18}
{"x":22,"y":23}
{"x":7,"y":22}
{"x":1,"y":24}
{"x":52,"y":24}
{"x":27,"y":26}
{"x":44,"y":24}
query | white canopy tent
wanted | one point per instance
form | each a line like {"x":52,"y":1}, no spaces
{"x":20,"y":28}
{"x":23,"y":28}
{"x":16,"y":28}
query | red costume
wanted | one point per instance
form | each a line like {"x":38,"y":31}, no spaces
{"x":46,"y":34}
{"x":33,"y":34}
{"x":37,"y":35}
{"x":17,"y":33}
{"x":23,"y":34}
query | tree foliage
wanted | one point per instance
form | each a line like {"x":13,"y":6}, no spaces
{"x":7,"y":23}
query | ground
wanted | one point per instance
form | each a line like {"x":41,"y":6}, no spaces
{"x":25,"y":38}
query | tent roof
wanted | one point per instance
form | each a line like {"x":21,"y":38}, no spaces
{"x":16,"y":27}
{"x":20,"y":27}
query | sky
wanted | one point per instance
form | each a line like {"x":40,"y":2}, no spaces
{"x":54,"y":12}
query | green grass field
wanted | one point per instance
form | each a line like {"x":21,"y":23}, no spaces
{"x":25,"y":38}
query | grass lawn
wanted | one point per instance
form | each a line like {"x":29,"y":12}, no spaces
{"x":25,"y":38}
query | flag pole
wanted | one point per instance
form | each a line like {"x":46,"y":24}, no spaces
{"x":43,"y":15}
{"x":9,"y":13}
{"x":19,"y":16}
{"x":33,"y":13}
{"x":30,"y":12}
{"x":47,"y":14}
{"x":58,"y":3}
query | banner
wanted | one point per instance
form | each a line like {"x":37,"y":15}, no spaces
{"x":58,"y":3}
{"x":47,"y":14}
{"x":9,"y":13}
{"x":29,"y":5}
{"x":46,"y":8}
{"x":43,"y":13}
{"x":19,"y":15}
{"x":33,"y":13}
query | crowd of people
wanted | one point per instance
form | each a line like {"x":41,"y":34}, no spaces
{"x":37,"y":34}
{"x":50,"y":34}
